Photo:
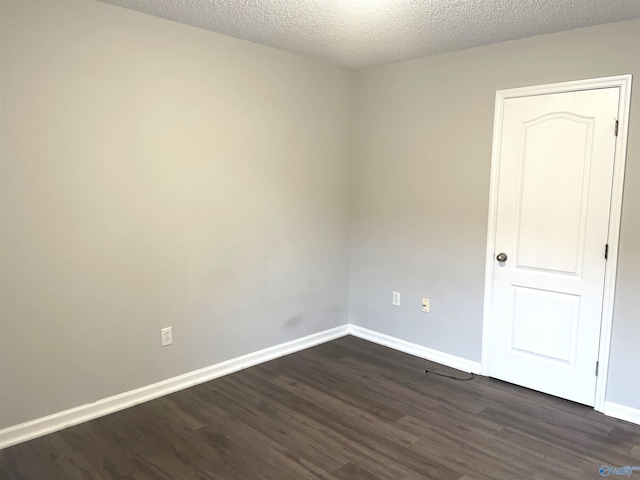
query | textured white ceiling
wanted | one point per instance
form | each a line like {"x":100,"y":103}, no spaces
{"x":361,"y":33}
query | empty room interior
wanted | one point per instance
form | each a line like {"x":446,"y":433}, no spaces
{"x":338,"y":239}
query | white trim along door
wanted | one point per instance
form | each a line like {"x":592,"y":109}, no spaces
{"x":556,"y":190}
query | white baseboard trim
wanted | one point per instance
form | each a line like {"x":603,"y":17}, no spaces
{"x":622,"y":412}
{"x":415,"y":349}
{"x":74,"y":416}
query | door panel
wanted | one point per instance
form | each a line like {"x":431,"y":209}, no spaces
{"x":551,"y":233}
{"x":554,"y":194}
{"x":560,"y":321}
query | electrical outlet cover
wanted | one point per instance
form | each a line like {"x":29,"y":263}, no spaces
{"x":396,"y":299}
{"x":167,"y":336}
{"x":426,"y":305}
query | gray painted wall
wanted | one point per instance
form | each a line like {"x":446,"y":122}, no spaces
{"x":155,"y":174}
{"x":420,"y":188}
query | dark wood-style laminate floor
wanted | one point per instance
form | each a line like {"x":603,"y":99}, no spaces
{"x":348,"y":409}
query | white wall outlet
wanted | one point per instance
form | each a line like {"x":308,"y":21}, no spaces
{"x":426,"y":304}
{"x":396,"y":299}
{"x":167,"y":336}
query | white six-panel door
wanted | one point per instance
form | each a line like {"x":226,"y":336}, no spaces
{"x":556,"y":169}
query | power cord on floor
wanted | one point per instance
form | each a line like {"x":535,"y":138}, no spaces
{"x":451,"y":376}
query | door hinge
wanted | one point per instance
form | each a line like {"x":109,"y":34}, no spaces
{"x":597,"y":367}
{"x":616,"y":128}
{"x":606,"y":252}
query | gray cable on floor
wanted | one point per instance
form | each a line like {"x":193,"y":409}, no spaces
{"x":451,"y":376}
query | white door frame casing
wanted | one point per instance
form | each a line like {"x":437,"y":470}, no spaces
{"x":624,"y":83}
